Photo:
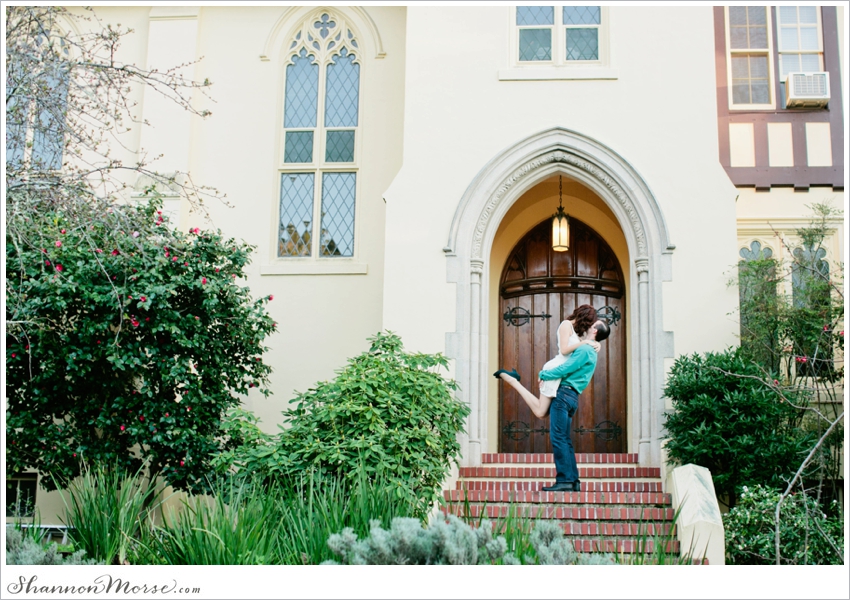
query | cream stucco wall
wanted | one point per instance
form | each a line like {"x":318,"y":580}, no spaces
{"x":459,"y":115}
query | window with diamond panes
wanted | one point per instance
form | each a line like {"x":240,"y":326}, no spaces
{"x":321,"y":116}
{"x":749,"y":53}
{"x":35,"y":126}
{"x":582,"y":32}
{"x":563,"y":35}
{"x":535,"y":32}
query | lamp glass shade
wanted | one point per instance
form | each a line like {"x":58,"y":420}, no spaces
{"x":560,"y":233}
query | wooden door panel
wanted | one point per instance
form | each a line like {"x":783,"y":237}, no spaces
{"x":543,"y":282}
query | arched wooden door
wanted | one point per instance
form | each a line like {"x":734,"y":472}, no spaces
{"x":539,"y":288}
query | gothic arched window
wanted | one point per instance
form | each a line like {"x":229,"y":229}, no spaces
{"x":318,"y":171}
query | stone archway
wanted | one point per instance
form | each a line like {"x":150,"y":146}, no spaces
{"x":486,"y":201}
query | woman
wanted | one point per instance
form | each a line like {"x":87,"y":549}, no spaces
{"x":569,"y":331}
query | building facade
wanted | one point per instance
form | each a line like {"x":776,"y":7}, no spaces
{"x":397,"y":168}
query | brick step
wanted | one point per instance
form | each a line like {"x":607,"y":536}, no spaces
{"x":622,"y":546}
{"x":583,"y":497}
{"x":594,"y":458}
{"x":591,"y":485}
{"x":561,"y":511}
{"x":548,"y":472}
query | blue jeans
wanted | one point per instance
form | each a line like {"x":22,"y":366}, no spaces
{"x":561,"y":412}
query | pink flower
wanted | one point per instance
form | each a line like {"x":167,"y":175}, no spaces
{"x":185,"y":264}
{"x":197,"y":318}
{"x":217,"y":269}
{"x":271,"y":297}
{"x":182,"y":463}
{"x":62,"y":231}
{"x":115,"y":252}
{"x":98,"y":250}
{"x":775,"y":382}
{"x":841,"y":333}
{"x":98,"y":341}
{"x":134,"y":323}
{"x":173,"y":259}
{"x":142,"y":298}
{"x":141,"y":418}
{"x":13,"y":355}
{"x":159,"y":212}
{"x":203,"y":280}
{"x":75,"y":454}
{"x":122,"y":428}
{"x":58,"y":244}
{"x":47,"y":262}
{"x":59,"y":268}
{"x":135,"y":234}
{"x":826,"y":327}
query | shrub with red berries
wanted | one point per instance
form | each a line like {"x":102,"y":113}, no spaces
{"x":126,"y":356}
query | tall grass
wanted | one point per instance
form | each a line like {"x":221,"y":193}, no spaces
{"x":234,"y":526}
{"x":106,"y":509}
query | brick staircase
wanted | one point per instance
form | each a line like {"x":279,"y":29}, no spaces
{"x":618,"y":500}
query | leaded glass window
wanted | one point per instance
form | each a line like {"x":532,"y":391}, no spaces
{"x":567,"y":35}
{"x":321,"y":118}
{"x":582,"y":32}
{"x":749,"y":54}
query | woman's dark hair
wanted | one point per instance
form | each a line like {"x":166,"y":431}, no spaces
{"x":583,"y":317}
{"x":602,"y":331}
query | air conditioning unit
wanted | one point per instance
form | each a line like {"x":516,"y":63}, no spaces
{"x":807,"y":90}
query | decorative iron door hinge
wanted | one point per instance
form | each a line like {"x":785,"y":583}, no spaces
{"x":606,"y":430}
{"x":609,"y":314}
{"x":517,"y":430}
{"x":518,"y":316}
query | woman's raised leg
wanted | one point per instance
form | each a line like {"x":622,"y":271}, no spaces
{"x":539,"y":406}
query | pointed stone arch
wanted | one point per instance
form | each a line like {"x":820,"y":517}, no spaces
{"x":484,"y":204}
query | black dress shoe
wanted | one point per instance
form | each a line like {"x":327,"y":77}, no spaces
{"x":513,"y":374}
{"x":564,"y":486}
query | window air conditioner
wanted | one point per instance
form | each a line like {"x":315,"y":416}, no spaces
{"x":807,"y":90}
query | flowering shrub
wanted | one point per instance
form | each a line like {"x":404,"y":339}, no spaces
{"x":126,"y":342}
{"x":807,"y":536}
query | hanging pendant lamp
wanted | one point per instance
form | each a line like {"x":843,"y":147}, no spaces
{"x":560,"y":226}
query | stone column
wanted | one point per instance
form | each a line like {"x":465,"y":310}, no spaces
{"x":644,"y":365}
{"x":477,"y":403}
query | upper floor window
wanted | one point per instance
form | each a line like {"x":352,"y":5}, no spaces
{"x":800,"y":40}
{"x":750,"y":51}
{"x":559,"y":35}
{"x":318,"y":170}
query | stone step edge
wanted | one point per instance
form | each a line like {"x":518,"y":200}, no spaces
{"x":535,"y":458}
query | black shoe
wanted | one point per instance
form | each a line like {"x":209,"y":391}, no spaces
{"x":563,"y":486}
{"x":513,"y":374}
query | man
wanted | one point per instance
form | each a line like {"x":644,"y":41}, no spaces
{"x":575,"y":375}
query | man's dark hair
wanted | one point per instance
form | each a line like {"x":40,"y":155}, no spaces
{"x":602,"y":331}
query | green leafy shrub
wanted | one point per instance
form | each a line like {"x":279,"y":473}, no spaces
{"x":388,"y":409}
{"x":726,"y":419}
{"x":107,"y":511}
{"x":126,"y":342}
{"x":807,"y":536}
{"x":23,"y":550}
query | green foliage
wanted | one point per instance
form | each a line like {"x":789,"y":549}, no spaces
{"x":726,"y":419}
{"x":387,"y":408}
{"x":235,"y":526}
{"x":23,"y":550}
{"x":123,"y":334}
{"x":106,"y":511}
{"x":447,"y":541}
{"x":807,"y":536}
{"x":793,"y":336}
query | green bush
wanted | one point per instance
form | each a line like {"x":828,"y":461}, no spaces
{"x":126,"y":342}
{"x":725,"y":419}
{"x":23,"y":550}
{"x":805,"y":531}
{"x":388,"y":409}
